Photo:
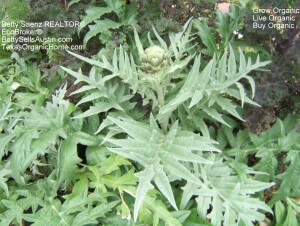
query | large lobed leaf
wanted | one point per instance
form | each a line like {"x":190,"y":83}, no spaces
{"x":161,"y":155}
{"x":227,"y":195}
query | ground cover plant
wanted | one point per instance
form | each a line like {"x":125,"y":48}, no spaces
{"x":148,"y":130}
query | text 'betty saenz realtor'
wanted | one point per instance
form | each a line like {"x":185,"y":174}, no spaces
{"x":23,"y":35}
{"x":44,"y":24}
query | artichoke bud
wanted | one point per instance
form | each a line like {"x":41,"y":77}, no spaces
{"x":154,"y":59}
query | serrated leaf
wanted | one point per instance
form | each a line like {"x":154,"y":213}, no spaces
{"x":291,"y":219}
{"x":161,"y":41}
{"x":91,"y":97}
{"x":3,"y":179}
{"x":228,"y":106}
{"x":207,"y":37}
{"x":178,"y":169}
{"x":144,"y":186}
{"x":96,"y":109}
{"x":93,"y":14}
{"x":67,"y":160}
{"x":206,"y":74}
{"x":138,"y":42}
{"x":231,"y":63}
{"x":280,"y":212}
{"x":242,"y":92}
{"x":134,"y":129}
{"x":89,"y":61}
{"x":163,"y":184}
{"x":252,"y":85}
{"x":198,"y":95}
{"x":86,"y":139}
{"x":100,"y":26}
{"x":290,"y":179}
{"x":215,"y":115}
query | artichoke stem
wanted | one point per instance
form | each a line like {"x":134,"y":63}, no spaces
{"x":161,"y":103}
{"x":164,"y":126}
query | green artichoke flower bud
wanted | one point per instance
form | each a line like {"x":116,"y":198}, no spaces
{"x":154,"y":59}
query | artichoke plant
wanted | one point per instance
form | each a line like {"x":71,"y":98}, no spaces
{"x":154,"y":59}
